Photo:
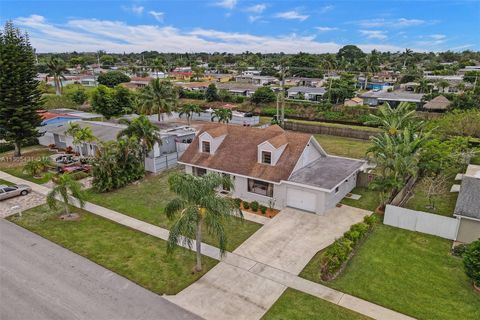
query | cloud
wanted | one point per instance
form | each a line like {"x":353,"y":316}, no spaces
{"x":90,"y":35}
{"x":258,"y":8}
{"x":227,"y":4}
{"x":292,"y":15}
{"x":390,"y":23}
{"x":157,"y":15}
{"x":254,"y":18}
{"x":432,"y":40}
{"x":138,"y":10}
{"x":326,"y":29}
{"x":326,"y":9}
{"x":374,"y":34}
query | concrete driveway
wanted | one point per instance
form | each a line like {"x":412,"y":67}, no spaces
{"x":287,"y":243}
{"x":293,"y":237}
{"x":31,"y":200}
{"x":41,"y":280}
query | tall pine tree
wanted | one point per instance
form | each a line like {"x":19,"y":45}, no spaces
{"x":20,"y":97}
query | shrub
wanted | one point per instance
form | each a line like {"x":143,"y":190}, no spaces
{"x":370,"y":220}
{"x":112,"y":78}
{"x":335,"y":256}
{"x":352,"y":235}
{"x":263,"y":95}
{"x":361,"y":228}
{"x":254,"y":205}
{"x":459,"y":250}
{"x":237,"y":202}
{"x":246,"y":205}
{"x":263,"y":209}
{"x":471,"y":261}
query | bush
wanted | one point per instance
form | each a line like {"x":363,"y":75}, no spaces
{"x":459,"y":250}
{"x":112,"y":78}
{"x":237,"y":202}
{"x":335,"y":256}
{"x":254,"y":205}
{"x":263,"y":95}
{"x":471,"y":261}
{"x":51,"y":101}
{"x":197,"y":95}
{"x":263,"y":209}
{"x":370,"y":220}
{"x":246,"y":205}
{"x":352,"y":235}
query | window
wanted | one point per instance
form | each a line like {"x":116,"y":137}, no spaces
{"x":61,"y":138}
{"x":206,"y":146}
{"x":199,"y":171}
{"x":266,"y":157}
{"x":260,"y":187}
{"x":336,"y":190}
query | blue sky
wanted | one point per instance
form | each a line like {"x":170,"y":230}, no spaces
{"x":237,"y":25}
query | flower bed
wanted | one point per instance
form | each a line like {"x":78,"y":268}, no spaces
{"x":256,"y":208}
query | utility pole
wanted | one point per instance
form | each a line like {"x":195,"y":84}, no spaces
{"x":283,"y":94}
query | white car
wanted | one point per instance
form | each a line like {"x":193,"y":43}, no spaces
{"x":7,"y":192}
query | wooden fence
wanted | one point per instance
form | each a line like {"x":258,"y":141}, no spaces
{"x":330,"y":130}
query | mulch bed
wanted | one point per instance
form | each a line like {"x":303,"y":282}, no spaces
{"x":269,"y":214}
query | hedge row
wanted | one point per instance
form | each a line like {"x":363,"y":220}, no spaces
{"x":334,"y":257}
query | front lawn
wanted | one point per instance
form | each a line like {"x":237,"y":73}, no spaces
{"x":147,"y":199}
{"x":369,"y":201}
{"x":14,"y":166}
{"x":295,"y":304}
{"x":132,"y":254}
{"x":444,"y":204}
{"x":409,"y":272}
{"x":342,"y":146}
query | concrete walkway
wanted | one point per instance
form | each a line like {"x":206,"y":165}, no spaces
{"x":238,"y":287}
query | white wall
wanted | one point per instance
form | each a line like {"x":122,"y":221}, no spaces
{"x":344,"y":188}
{"x":424,"y":222}
{"x":276,"y":153}
{"x":309,"y":154}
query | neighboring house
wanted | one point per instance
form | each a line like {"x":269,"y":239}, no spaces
{"x":174,"y":142}
{"x":181,"y":75}
{"x":303,"y":82}
{"x":88,"y":82}
{"x":374,"y":98}
{"x":194,"y":86}
{"x":251,"y":72}
{"x":78,"y":114}
{"x":239,"y":118}
{"x":356,"y":101}
{"x":49,"y":118}
{"x":437,"y":104}
{"x":238,"y":89}
{"x":306,"y":93}
{"x":275,"y":167}
{"x":374,"y":84}
{"x":256,"y":80}
{"x":222,"y":77}
{"x":138,"y":82}
{"x":467,"y":208}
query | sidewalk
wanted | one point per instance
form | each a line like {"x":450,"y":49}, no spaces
{"x":258,"y":285}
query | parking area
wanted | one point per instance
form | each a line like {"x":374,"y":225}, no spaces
{"x":293,"y":237}
{"x":33,"y":199}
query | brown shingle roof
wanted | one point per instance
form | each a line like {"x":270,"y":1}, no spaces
{"x":437,"y":103}
{"x":238,"y":152}
{"x":217,"y":132}
{"x":279,"y":140}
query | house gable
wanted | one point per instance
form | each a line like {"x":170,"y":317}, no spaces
{"x":312,"y":152}
{"x":213,"y":142}
{"x":276,"y":153}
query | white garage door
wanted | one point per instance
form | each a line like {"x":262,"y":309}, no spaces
{"x":301,"y":199}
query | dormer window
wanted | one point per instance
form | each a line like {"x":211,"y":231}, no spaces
{"x":206,"y":146}
{"x":266,"y":157}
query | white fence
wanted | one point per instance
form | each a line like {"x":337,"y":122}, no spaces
{"x":424,"y":222}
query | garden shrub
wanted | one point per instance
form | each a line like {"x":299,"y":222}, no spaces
{"x":263,"y":209}
{"x":352,"y":235}
{"x":254,"y":205}
{"x":370,"y":220}
{"x":459,"y":250}
{"x":246,"y":205}
{"x":471,"y":261}
{"x":237,"y":202}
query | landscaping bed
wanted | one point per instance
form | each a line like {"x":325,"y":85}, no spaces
{"x":255,"y":208}
{"x":408,"y":272}
{"x":132,"y":254}
{"x":146,"y":200}
{"x":14,"y":166}
{"x":294,"y":304}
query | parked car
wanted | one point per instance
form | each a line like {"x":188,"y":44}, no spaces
{"x":63,"y":159}
{"x":7,"y":192}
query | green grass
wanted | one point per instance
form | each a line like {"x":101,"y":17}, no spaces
{"x":15,"y":166}
{"x":337,"y":125}
{"x":18,"y":172}
{"x":409,"y":272}
{"x":294,"y":304}
{"x":341,"y":146}
{"x":369,"y":201}
{"x":5,"y":182}
{"x":132,"y":254}
{"x":146,"y":201}
{"x":444,"y":204}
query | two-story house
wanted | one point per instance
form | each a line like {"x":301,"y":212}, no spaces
{"x":275,"y":167}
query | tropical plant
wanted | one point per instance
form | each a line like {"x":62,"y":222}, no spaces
{"x":189,"y":110}
{"x":158,"y":65}
{"x":263,"y":95}
{"x":392,"y":120}
{"x":19,"y":91}
{"x":199,"y":205}
{"x":159,"y":96}
{"x":57,"y":68}
{"x":142,"y":129}
{"x":442,"y":84}
{"x":369,"y":64}
{"x":65,"y":186}
{"x":112,"y":78}
{"x":424,"y":86}
{"x":33,"y":168}
{"x":80,"y":135}
{"x":211,"y":94}
{"x":223,"y":115}
{"x":471,"y":262}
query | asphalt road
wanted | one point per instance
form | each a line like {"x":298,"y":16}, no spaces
{"x":41,"y":280}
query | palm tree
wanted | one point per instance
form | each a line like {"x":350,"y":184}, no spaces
{"x":407,"y":54}
{"x":57,"y":67}
{"x":393,"y":120}
{"x":423,"y":86}
{"x":198,"y":204}
{"x":65,"y":186}
{"x":158,"y":65}
{"x":198,"y":72}
{"x":158,"y":97}
{"x":223,"y":115}
{"x":189,"y":110}
{"x":369,"y":64}
{"x":80,"y":135}
{"x":329,"y":64}
{"x":143,"y":130}
{"x":442,"y":84}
